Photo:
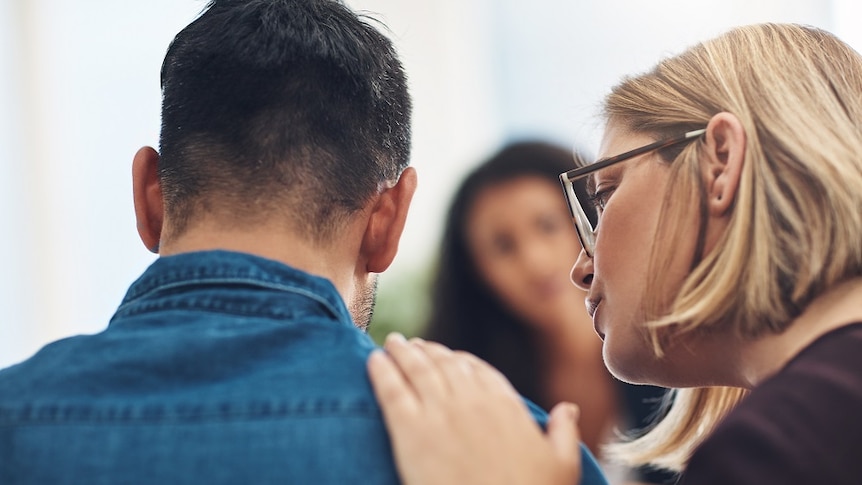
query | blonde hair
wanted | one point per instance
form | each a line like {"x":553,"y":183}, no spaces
{"x":797,"y":217}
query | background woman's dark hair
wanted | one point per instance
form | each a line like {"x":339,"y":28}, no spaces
{"x":465,"y":312}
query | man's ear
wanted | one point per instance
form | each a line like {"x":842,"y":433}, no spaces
{"x":149,"y":205}
{"x":386,"y":223}
{"x":725,"y":154}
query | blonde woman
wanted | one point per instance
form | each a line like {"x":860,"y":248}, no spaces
{"x":726,"y":263}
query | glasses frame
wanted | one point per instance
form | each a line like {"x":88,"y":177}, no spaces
{"x":586,"y":231}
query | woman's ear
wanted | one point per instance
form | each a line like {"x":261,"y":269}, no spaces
{"x":149,"y":206}
{"x":725,"y":155}
{"x":386,"y":223}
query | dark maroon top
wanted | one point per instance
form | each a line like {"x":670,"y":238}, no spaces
{"x":801,"y":426}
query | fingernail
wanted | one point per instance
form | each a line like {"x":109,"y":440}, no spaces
{"x":395,"y":337}
{"x":567,"y":410}
{"x":376,"y":354}
{"x":575,"y":411}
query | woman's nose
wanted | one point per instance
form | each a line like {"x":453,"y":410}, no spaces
{"x":582,"y":271}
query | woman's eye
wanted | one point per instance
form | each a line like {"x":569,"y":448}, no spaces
{"x":503,"y":245}
{"x":549,"y":223}
{"x":600,"y":198}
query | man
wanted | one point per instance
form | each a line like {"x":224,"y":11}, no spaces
{"x":279,"y":191}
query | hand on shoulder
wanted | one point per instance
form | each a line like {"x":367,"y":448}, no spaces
{"x":455,"y":419}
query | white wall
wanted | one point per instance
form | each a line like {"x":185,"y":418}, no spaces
{"x":79,"y":94}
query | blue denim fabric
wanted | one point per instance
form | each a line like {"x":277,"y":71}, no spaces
{"x":217,"y":368}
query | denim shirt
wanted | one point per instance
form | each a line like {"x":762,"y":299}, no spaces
{"x":217,"y":368}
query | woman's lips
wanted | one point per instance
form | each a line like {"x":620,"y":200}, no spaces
{"x":592,"y":306}
{"x":593,"y":309}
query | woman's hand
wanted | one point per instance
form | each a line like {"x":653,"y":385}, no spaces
{"x":454,"y":419}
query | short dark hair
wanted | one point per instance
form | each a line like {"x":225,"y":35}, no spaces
{"x":298,"y":106}
{"x":466,"y":314}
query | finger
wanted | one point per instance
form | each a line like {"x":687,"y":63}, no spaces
{"x":392,"y":391}
{"x":564,"y":435}
{"x":418,"y":370}
{"x":456,"y":370}
{"x":399,"y":405}
{"x":488,"y":376}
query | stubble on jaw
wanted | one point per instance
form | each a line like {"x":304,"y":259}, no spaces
{"x":361,"y":307}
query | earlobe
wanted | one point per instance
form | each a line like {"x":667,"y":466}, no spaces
{"x":149,"y":206}
{"x":386,"y":223}
{"x":725,"y":146}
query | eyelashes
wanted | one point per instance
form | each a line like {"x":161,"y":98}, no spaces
{"x":599,"y":199}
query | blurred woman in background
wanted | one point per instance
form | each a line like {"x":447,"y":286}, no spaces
{"x":502,"y":289}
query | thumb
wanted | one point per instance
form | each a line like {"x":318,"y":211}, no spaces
{"x":563,"y":433}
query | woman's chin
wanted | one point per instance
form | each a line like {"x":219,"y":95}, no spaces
{"x":627,"y":367}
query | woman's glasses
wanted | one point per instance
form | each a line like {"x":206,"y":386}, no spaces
{"x":584,"y":213}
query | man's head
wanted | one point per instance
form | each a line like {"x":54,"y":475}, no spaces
{"x":281,"y":116}
{"x":295,"y":107}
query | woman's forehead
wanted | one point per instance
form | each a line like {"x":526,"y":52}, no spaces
{"x":618,"y":139}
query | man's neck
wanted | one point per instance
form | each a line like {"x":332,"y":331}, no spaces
{"x":330,"y":261}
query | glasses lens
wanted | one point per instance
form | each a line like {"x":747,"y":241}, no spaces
{"x":585,"y":230}
{"x":584,"y":201}
{"x":583,"y":214}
